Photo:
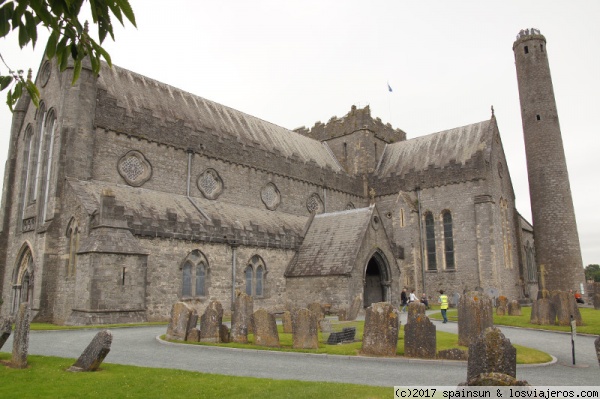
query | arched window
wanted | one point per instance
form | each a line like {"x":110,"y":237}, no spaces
{"x":255,"y":276}
{"x":73,"y":247}
{"x":448,"y":240}
{"x":27,"y":155}
{"x":22,"y":283}
{"x":430,"y":241}
{"x":505,"y":222}
{"x":186,"y":289}
{"x":195,"y":275}
{"x":48,"y":135}
{"x":36,"y":158}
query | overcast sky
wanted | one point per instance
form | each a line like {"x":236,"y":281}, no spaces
{"x":297,"y":62}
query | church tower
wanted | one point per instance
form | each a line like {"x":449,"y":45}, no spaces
{"x":557,"y":248}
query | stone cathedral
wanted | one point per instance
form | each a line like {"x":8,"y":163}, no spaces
{"x":123,"y":195}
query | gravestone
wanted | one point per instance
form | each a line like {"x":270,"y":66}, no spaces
{"x":286,"y":321}
{"x":241,"y":320}
{"x":491,"y":352}
{"x":497,"y":380}
{"x":380,"y":336}
{"x":265,"y":329}
{"x":474,"y":316}
{"x":183,"y":319}
{"x":342,"y":315}
{"x":415,"y":309}
{"x":224,"y":334}
{"x":317,"y":309}
{"x":542,"y":312}
{"x":325,"y":326}
{"x":355,"y":307}
{"x":5,"y":330}
{"x":493,"y":294}
{"x":597,"y":343}
{"x":596,"y":301}
{"x":193,"y":335}
{"x":419,"y":337}
{"x":514,"y":308}
{"x":93,"y":356}
{"x":21,"y":337}
{"x":565,"y":306}
{"x":210,"y":323}
{"x":502,"y":308}
{"x":304,"y":329}
{"x":455,"y":299}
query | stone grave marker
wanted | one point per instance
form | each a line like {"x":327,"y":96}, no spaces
{"x":565,"y":305}
{"x":210,"y":323}
{"x":181,"y":322}
{"x":193,"y":335}
{"x":514,"y":308}
{"x":355,"y":307}
{"x":21,"y":337}
{"x":415,"y":309}
{"x":342,"y":315}
{"x":93,"y":356}
{"x":241,"y":320}
{"x":493,"y":294}
{"x":318,"y":309}
{"x":286,"y":321}
{"x":419,"y":337}
{"x":474,"y":316}
{"x":502,"y":308}
{"x":5,"y":330}
{"x":325,"y":326}
{"x":542,"y":312}
{"x":265,"y":329}
{"x":224,"y":334}
{"x":596,"y":301}
{"x":491,"y":352}
{"x":380,"y":336}
{"x":304,"y":329}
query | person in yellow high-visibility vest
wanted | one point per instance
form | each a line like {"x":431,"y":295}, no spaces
{"x":443,"y":299}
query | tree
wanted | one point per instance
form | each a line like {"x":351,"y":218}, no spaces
{"x":69,"y":37}
{"x":592,"y":272}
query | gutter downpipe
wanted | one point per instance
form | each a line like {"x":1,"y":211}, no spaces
{"x":233,"y":267}
{"x":421,"y":246}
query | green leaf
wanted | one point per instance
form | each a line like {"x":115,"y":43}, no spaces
{"x":64,"y":59}
{"x":33,"y":92}
{"x":31,"y":26}
{"x":103,"y":52}
{"x":76,"y":72}
{"x":5,"y":81}
{"x":116,"y":10}
{"x":23,"y":36}
{"x":127,"y":10}
{"x":18,"y":90}
{"x":9,"y":100}
{"x":51,"y":45}
{"x":6,"y":12}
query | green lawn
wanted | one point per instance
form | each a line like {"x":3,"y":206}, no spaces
{"x":590,"y":317}
{"x":46,"y":378}
{"x":444,"y":341}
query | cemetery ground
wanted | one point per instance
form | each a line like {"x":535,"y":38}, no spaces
{"x":590,"y":316}
{"x":444,"y":340}
{"x":46,"y":377}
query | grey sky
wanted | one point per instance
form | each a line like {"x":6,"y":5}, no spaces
{"x":297,"y":62}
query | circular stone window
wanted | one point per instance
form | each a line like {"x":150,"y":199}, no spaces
{"x":270,"y":196}
{"x":210,"y":184}
{"x":45,"y":73}
{"x":134,"y":168}
{"x":314,"y":204}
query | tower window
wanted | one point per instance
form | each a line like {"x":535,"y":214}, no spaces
{"x":538,"y":117}
{"x":526,"y":50}
{"x":430,"y":242}
{"x":542,"y":47}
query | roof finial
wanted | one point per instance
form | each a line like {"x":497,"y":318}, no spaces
{"x":493,"y":116}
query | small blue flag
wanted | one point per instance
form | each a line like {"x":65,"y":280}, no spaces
{"x":389,"y":88}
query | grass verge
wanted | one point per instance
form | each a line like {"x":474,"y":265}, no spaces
{"x":46,"y":378}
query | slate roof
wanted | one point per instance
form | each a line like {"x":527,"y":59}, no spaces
{"x":148,"y":211}
{"x":331,"y":244}
{"x":438,"y":150}
{"x":139,"y":94}
{"x":111,"y":240}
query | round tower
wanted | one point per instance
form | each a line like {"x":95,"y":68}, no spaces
{"x":557,"y":250}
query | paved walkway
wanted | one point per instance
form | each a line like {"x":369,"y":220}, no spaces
{"x":139,"y":346}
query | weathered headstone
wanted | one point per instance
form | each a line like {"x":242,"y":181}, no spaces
{"x":304,"y":329}
{"x":597,"y":343}
{"x":502,"y":308}
{"x":415,"y":310}
{"x":354,"y":308}
{"x":181,"y":322}
{"x":318,"y":309}
{"x":325,"y":326}
{"x":565,"y":306}
{"x":514,"y":308}
{"x":342,"y":315}
{"x":93,"y":356}
{"x":491,"y":352}
{"x":419,"y":337}
{"x":210,"y":322}
{"x":241,"y":320}
{"x":596,"y":301}
{"x":497,"y":380}
{"x":474,"y":316}
{"x":286,"y":321}
{"x":224,"y":334}
{"x":5,"y":330}
{"x":21,"y":337}
{"x":193,"y":335}
{"x":265,"y":329}
{"x":380,"y":336}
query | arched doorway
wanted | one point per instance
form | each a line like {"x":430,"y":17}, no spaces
{"x":22,"y":284}
{"x":376,"y":280}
